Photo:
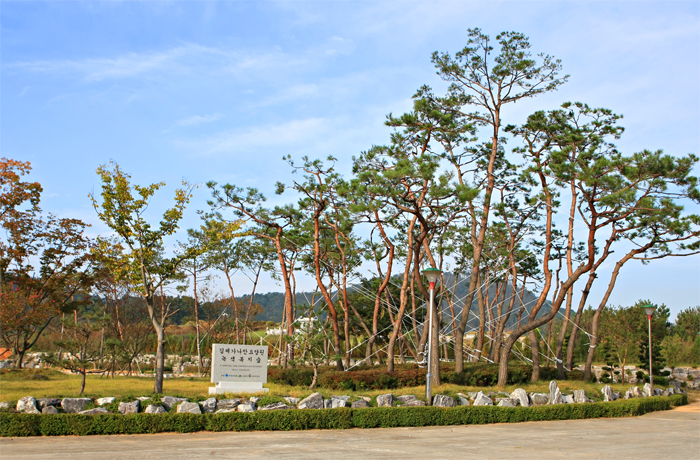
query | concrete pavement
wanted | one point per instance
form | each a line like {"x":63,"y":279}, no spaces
{"x":660,"y":435}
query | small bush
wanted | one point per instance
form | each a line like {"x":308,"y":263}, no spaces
{"x":575,"y":375}
{"x":293,"y":377}
{"x":475,"y":374}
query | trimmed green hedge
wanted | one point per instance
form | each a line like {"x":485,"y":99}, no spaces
{"x":373,"y":378}
{"x":12,"y":424}
{"x":377,"y":378}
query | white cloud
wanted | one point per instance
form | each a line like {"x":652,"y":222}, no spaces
{"x":199,"y":119}
{"x":285,"y":134}
{"x":190,"y":58}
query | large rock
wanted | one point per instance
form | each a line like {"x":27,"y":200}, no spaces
{"x":482,"y":400}
{"x":580,"y":396}
{"x":169,"y":401}
{"x":276,"y":406}
{"x":463,"y":399}
{"x":636,"y":392}
{"x":27,"y":405}
{"x":359,"y":404}
{"x":677,"y":388}
{"x":337,"y":402}
{"x":188,"y":407}
{"x":608,"y":394}
{"x":44,"y":402}
{"x":290,"y":400}
{"x":155,"y":409}
{"x":129,"y":407}
{"x":403,"y":399}
{"x":228,"y":404}
{"x":246,"y":407}
{"x":646,"y":391}
{"x":443,"y":401}
{"x":327,"y":404}
{"x":209,"y":405}
{"x":74,"y":405}
{"x":558,"y":398}
{"x":107,"y":400}
{"x":521,"y":396}
{"x":680,"y":373}
{"x":49,"y":410}
{"x":539,"y":399}
{"x":95,"y":411}
{"x":414,"y":403}
{"x":555,"y":396}
{"x":4,"y":405}
{"x":508,"y":402}
{"x":568,"y":399}
{"x":313,"y":401}
{"x":695,"y":384}
{"x":386,"y":400}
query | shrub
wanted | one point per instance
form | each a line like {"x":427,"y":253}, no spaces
{"x":475,"y":374}
{"x":372,"y":379}
{"x":575,"y":375}
{"x":293,"y":377}
{"x":678,"y":351}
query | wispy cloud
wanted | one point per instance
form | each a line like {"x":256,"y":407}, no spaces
{"x":286,"y":134}
{"x":189,"y":58}
{"x":199,"y":119}
{"x":126,"y":66}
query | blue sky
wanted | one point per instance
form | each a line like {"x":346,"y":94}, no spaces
{"x":222,"y":90}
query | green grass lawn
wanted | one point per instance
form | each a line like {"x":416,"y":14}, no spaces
{"x":15,"y":384}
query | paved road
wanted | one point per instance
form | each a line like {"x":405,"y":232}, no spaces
{"x":660,"y":435}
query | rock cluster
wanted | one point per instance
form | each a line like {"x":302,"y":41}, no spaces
{"x":518,"y":397}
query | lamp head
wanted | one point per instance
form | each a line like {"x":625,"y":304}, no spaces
{"x":649,"y":309}
{"x":432,"y":274}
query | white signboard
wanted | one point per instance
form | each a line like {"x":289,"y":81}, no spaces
{"x":239,"y":363}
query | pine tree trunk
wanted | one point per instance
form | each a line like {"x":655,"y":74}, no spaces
{"x":535,"y":348}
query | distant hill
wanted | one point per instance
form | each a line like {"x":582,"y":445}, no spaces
{"x":273,"y":302}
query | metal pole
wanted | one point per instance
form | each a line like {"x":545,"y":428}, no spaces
{"x":651,"y":377}
{"x":428,"y":389}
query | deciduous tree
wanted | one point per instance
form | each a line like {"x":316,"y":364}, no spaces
{"x":123,"y":206}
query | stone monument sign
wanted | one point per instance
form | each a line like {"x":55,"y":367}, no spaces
{"x":238,"y":368}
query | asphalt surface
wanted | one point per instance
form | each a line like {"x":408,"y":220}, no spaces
{"x":660,"y":435}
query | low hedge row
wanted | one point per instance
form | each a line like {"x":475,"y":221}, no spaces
{"x":12,"y":424}
{"x":475,"y":374}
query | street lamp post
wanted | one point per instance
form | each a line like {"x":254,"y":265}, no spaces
{"x":432,"y":274}
{"x":649,"y":309}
